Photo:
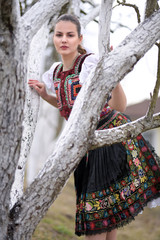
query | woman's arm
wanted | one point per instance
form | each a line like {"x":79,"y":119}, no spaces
{"x":118,"y":100}
{"x":41,"y":90}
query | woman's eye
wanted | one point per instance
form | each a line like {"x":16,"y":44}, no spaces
{"x":58,"y":35}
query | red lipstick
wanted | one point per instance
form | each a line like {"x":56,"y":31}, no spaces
{"x":64,"y":47}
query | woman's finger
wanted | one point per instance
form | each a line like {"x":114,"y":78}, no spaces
{"x":30,"y":81}
{"x":39,"y":85}
{"x":35,"y":83}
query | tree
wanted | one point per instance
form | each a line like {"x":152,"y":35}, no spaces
{"x":17,"y":33}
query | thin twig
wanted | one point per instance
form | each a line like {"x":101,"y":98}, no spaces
{"x":21,"y":10}
{"x":152,"y":105}
{"x":133,"y":6}
{"x":150,"y":8}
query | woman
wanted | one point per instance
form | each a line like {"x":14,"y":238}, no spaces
{"x":113,"y":183}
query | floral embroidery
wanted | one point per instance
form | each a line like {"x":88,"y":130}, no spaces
{"x":132,"y":187}
{"x":130,"y":201}
{"x":121,"y":201}
{"x":123,"y":183}
{"x":127,"y":191}
{"x":134,"y":154}
{"x":97,"y":205}
{"x":96,"y":215}
{"x":143,"y":179}
{"x":136,"y":182}
{"x":136,"y":162}
{"x":105,"y":203}
{"x":117,"y":198}
{"x":88,"y":206}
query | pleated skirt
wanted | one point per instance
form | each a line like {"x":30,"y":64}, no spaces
{"x":114,"y":183}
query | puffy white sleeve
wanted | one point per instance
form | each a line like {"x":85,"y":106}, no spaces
{"x":89,"y":63}
{"x":47,"y":78}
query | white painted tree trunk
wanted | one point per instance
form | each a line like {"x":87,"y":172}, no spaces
{"x":131,"y":130}
{"x":75,"y":7}
{"x":90,"y":16}
{"x":47,"y":129}
{"x":104,"y":26}
{"x":11,"y":106}
{"x":20,"y":222}
{"x":31,"y":109}
{"x":16,"y":35}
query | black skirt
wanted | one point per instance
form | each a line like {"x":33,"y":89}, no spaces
{"x":114,"y":183}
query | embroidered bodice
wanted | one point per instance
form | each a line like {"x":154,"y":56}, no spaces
{"x":67,"y":85}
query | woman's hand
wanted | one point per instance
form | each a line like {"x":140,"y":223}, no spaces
{"x":118,"y":100}
{"x":39,"y":87}
{"x":41,"y":90}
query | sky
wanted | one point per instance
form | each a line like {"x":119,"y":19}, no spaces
{"x":140,"y":82}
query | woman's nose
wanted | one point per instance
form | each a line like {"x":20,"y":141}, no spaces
{"x":64,"y":39}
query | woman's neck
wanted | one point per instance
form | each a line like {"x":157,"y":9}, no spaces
{"x":68,"y":61}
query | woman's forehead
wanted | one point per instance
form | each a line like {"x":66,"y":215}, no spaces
{"x":65,"y":26}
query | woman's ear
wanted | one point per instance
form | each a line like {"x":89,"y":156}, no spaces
{"x":81,"y":38}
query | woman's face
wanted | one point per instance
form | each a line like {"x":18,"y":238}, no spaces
{"x":66,"y":39}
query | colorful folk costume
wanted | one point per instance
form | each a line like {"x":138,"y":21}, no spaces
{"x":113,"y":183}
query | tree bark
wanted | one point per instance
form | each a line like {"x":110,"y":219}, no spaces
{"x":31,"y":110}
{"x":37,"y":15}
{"x":90,"y":16}
{"x":151,"y":6}
{"x":130,"y":130}
{"x":14,"y":56}
{"x":75,"y":8}
{"x":11,"y":106}
{"x":104,"y":24}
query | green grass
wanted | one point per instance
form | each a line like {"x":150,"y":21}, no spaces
{"x":58,"y":224}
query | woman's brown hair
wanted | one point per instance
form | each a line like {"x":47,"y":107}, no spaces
{"x":74,"y":20}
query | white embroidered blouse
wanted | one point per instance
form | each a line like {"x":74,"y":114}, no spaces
{"x":89,"y":63}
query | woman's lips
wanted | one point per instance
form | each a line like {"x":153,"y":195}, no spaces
{"x":64,"y":47}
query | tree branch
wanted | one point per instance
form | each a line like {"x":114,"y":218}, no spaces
{"x":90,"y":2}
{"x":104,"y":24}
{"x":90,"y":16}
{"x":31,"y":110}
{"x":151,"y":6}
{"x":130,"y":130}
{"x":15,"y":17}
{"x":25,"y":6}
{"x":75,"y":7}
{"x":155,"y":92}
{"x":10,"y":14}
{"x":133,"y":6}
{"x":38,"y":14}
